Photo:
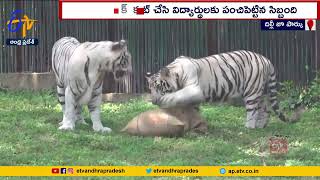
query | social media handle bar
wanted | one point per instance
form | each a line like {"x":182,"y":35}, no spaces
{"x":160,"y":171}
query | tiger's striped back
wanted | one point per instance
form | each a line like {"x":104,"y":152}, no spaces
{"x":239,"y":73}
{"x":232,"y":74}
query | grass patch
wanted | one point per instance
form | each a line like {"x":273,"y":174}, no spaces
{"x":30,"y":136}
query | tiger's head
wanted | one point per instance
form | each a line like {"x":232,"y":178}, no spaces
{"x":116,"y":59}
{"x":162,"y":83}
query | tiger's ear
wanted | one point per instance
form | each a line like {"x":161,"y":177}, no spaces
{"x":165,"y":72}
{"x":119,"y":45}
{"x":148,"y":76}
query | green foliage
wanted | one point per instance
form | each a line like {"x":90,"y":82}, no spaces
{"x":311,"y":95}
{"x":308,"y":96}
{"x":289,"y":94}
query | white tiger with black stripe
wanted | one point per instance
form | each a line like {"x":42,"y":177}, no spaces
{"x":189,"y":81}
{"x":79,"y":69}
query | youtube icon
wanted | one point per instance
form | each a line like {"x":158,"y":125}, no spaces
{"x":55,"y":170}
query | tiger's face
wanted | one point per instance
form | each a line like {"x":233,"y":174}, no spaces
{"x":117,"y":59}
{"x":162,"y":83}
{"x":122,"y":67}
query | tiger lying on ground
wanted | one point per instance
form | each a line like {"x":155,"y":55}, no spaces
{"x":188,"y":81}
{"x":79,"y":69}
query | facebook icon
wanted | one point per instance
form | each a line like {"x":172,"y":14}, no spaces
{"x":63,"y":170}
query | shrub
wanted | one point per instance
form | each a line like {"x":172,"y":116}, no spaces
{"x":293,"y":95}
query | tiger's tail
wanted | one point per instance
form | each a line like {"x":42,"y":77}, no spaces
{"x":273,"y":92}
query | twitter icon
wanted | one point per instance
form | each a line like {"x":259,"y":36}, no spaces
{"x":149,"y":170}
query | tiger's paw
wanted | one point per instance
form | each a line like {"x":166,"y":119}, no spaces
{"x":81,"y":121}
{"x":250,"y":125}
{"x":60,"y":123}
{"x":256,"y":125}
{"x":66,"y":127}
{"x":102,"y":129}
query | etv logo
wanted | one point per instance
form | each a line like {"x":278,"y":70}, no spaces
{"x":26,"y":24}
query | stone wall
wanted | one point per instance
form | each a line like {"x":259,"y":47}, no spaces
{"x":27,"y":81}
{"x":46,"y":81}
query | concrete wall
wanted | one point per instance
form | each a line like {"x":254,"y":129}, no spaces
{"x":123,"y":97}
{"x":46,"y":81}
{"x":27,"y":81}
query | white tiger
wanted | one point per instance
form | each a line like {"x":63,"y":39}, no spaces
{"x":79,"y":69}
{"x":247,"y":74}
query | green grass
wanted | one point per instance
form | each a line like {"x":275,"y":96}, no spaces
{"x":30,"y":136}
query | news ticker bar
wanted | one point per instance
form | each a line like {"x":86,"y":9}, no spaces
{"x":188,"y":10}
{"x":159,"y":170}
